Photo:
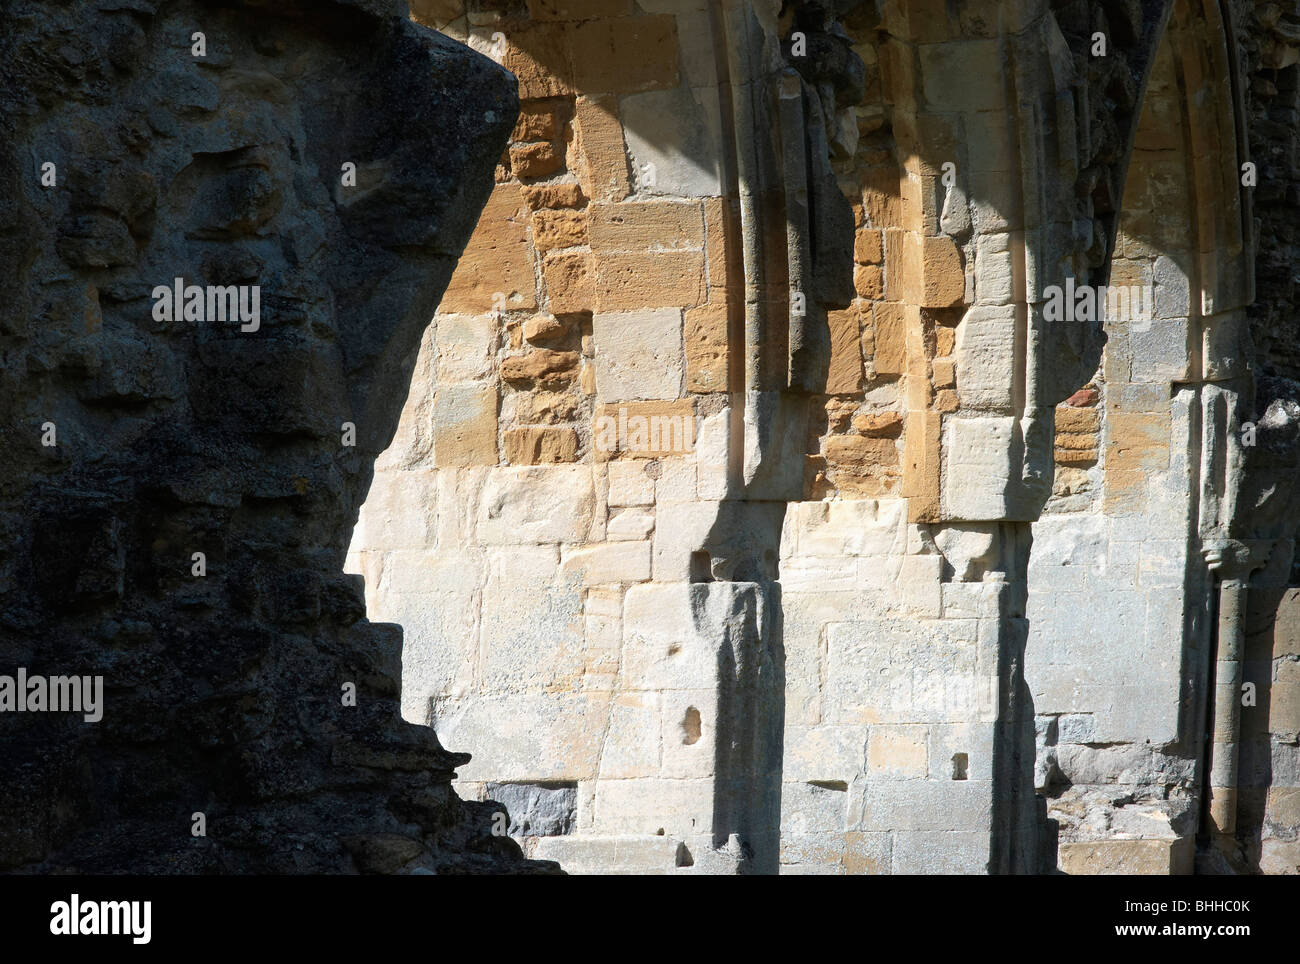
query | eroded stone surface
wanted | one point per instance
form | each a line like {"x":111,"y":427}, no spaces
{"x":223,"y":691}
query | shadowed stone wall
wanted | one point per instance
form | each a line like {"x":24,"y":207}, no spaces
{"x":179,"y":491}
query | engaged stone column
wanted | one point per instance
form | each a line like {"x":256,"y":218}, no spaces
{"x":1234,"y":562}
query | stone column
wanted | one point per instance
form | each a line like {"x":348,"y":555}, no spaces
{"x":1233,"y":562}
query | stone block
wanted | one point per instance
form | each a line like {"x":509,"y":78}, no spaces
{"x":647,"y":225}
{"x":613,"y":562}
{"x":890,"y":330}
{"x":986,"y":358}
{"x":559,"y":229}
{"x":465,"y":424}
{"x":844,"y":376}
{"x":598,"y":135}
{"x":1125,"y":857}
{"x":813,"y":808}
{"x":537,"y":444}
{"x":673,"y":138}
{"x":624,"y":54}
{"x":535,"y":159}
{"x":898,"y":752}
{"x":638,"y":354}
{"x":631,"y":747}
{"x":630,"y":485}
{"x":535,"y":505}
{"x":979,"y":471}
{"x":825,"y":753}
{"x":940,"y":852}
{"x":535,"y":737}
{"x":465,"y":347}
{"x":647,"y":430}
{"x":706,"y":346}
{"x":569,"y":277}
{"x":497,"y":261}
{"x":653,"y":805}
{"x":613,"y":854}
{"x":631,"y":281}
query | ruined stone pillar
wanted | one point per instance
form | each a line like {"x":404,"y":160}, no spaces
{"x":1234,"y":562}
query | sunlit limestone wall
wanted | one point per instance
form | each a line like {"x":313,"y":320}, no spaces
{"x":697,"y":605}
{"x":532,"y":525}
{"x":1120,"y":596}
{"x":903,"y":589}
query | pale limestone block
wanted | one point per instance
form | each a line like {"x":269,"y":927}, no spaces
{"x":676,"y":482}
{"x":672,"y":140}
{"x":986,"y":358}
{"x":604,"y":601}
{"x":811,"y":854}
{"x":525,"y":738}
{"x":1070,"y":550}
{"x":631,"y":747}
{"x":681,"y":528}
{"x":887,"y":670}
{"x":810,"y":808}
{"x":814,"y":573}
{"x":603,"y":633}
{"x":920,"y":587}
{"x":1164,"y":350}
{"x":806,"y":615}
{"x":876,"y":527}
{"x":638,"y":354}
{"x":465,"y":424}
{"x":629,"y":484}
{"x":972,"y":600}
{"x":465,"y":347}
{"x":1280,"y":857}
{"x":879,"y":574}
{"x":927,"y":805}
{"x":898,"y":752}
{"x":672,"y":632}
{"x":972,"y":740}
{"x":978,"y":454}
{"x":614,"y":562}
{"x":648,"y":806}
{"x":435,"y":598}
{"x":629,"y":524}
{"x":993,"y":270}
{"x":688,"y":733}
{"x":458,"y":495}
{"x":827,"y":752}
{"x":1172,"y":288}
{"x":940,"y":852}
{"x":585,"y":854}
{"x":713,"y":456}
{"x":399,"y":512}
{"x":969,"y":550}
{"x":536,"y":504}
{"x":531,"y":630}
{"x":415,"y":572}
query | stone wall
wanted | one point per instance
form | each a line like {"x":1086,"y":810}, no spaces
{"x":748,"y":384}
{"x":178,"y":491}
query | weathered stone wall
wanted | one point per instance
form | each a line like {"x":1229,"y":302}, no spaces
{"x":178,"y":493}
{"x":560,"y":457}
{"x":883,"y":405}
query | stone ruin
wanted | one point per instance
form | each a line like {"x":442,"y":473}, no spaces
{"x":225,"y":674}
{"x":856,"y":437}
